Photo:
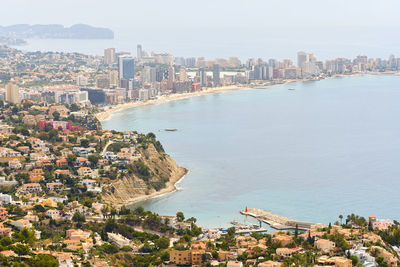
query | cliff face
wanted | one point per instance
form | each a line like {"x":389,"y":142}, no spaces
{"x":161,"y":170}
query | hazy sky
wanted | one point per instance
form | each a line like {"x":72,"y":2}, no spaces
{"x":202,"y":13}
{"x":247,"y":28}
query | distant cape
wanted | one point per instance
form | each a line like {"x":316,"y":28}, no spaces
{"x":55,"y":31}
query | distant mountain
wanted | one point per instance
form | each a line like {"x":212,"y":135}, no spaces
{"x":55,"y":31}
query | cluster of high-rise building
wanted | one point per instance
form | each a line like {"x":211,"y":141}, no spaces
{"x":62,"y":95}
{"x":120,"y":77}
{"x":146,"y":76}
{"x":309,"y":66}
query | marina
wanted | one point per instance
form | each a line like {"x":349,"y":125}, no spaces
{"x":277,"y":221}
{"x":240,"y":229}
{"x":247,"y":229}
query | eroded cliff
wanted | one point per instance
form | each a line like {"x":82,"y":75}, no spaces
{"x":152,"y":174}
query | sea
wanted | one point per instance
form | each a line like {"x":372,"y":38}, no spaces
{"x":244,"y":43}
{"x":309,"y":151}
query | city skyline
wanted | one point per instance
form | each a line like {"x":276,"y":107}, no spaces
{"x":234,"y":28}
{"x":222,"y":133}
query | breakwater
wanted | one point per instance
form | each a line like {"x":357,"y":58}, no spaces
{"x":277,"y":221}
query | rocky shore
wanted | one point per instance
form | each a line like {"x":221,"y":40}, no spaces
{"x":133,"y":188}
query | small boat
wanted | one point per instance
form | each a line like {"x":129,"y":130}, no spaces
{"x":291,"y":89}
{"x":171,"y":130}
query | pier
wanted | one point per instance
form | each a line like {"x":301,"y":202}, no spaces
{"x":277,"y":221}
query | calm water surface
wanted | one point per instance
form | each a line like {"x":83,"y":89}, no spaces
{"x":326,"y":43}
{"x":327,"y":148}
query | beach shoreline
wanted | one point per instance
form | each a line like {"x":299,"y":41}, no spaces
{"x":104,"y":115}
{"x":171,"y":187}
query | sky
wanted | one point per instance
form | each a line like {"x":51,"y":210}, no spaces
{"x":309,"y":24}
{"x":202,"y":13}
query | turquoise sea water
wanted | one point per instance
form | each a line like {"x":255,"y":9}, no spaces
{"x":326,"y":148}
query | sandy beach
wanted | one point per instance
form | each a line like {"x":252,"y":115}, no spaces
{"x":101,"y":116}
{"x":170,"y":188}
{"x":108,"y":110}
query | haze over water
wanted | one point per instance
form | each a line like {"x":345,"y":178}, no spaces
{"x":327,"y":148}
{"x":325,"y":43}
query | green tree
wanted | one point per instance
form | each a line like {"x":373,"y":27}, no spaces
{"x":110,"y":225}
{"x":109,"y":249}
{"x":355,"y":219}
{"x":78,"y":217}
{"x":74,"y":108}
{"x":26,"y":235}
{"x":141,"y":169}
{"x":151,"y":136}
{"x":354,"y":260}
{"x":138,"y":211}
{"x":39,"y":208}
{"x":20,"y":249}
{"x":381,"y":262}
{"x":192,"y":220}
{"x":43,"y":260}
{"x":56,"y":115}
{"x":88,"y":203}
{"x":180,"y":216}
{"x":162,"y":242}
{"x":165,"y":256}
{"x":84,"y":143}
{"x":93,"y":159}
{"x":5,"y":241}
{"x":231,"y":231}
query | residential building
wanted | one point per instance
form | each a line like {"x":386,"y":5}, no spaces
{"x":21,"y":223}
{"x":334,"y":261}
{"x":234,"y":264}
{"x":12,"y":94}
{"x":5,"y":198}
{"x":118,"y":240}
{"x":187,"y":257}
{"x":126,"y":68}
{"x":324,"y":245}
{"x":284,"y":239}
{"x":3,"y":213}
{"x":86,"y":171}
{"x":109,"y":56}
{"x":180,"y":257}
{"x":54,"y":214}
{"x":216,"y":75}
{"x":54,"y":186}
{"x":287,"y":252}
{"x":139,"y":53}
{"x":32,"y":187}
{"x":270,"y":264}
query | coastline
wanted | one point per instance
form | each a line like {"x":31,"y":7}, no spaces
{"x":103,"y":115}
{"x":108,"y":110}
{"x":171,"y":187}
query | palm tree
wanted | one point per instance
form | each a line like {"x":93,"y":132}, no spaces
{"x":341,"y":218}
